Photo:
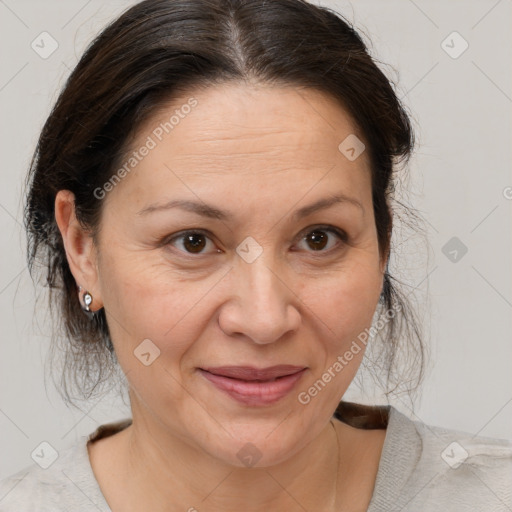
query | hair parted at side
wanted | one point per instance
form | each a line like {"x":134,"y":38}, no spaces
{"x":159,"y":49}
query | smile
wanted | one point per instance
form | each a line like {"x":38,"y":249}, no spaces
{"x":252,"y":386}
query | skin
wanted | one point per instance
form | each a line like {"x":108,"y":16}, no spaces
{"x":260,"y":152}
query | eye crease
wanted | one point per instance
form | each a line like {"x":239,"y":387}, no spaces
{"x":195,"y":240}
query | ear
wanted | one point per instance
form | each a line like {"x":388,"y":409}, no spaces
{"x":80,"y":249}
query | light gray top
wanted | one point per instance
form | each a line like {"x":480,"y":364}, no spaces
{"x":422,"y":467}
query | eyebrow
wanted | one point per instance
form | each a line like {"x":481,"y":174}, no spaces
{"x":206,"y":210}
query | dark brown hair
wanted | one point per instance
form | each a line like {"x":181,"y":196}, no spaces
{"x":158,"y":49}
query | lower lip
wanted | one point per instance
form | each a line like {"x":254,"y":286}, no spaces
{"x":254,"y":393}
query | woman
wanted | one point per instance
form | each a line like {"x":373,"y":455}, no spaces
{"x":212,"y":198}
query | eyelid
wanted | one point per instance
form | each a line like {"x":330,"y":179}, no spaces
{"x":324,"y":227}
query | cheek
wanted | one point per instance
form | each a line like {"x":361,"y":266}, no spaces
{"x":149,"y":301}
{"x":346,"y":303}
{"x":149,"y":311}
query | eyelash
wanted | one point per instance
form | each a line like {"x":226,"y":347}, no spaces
{"x":326,"y":228}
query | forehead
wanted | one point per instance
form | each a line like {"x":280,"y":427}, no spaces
{"x":263,"y":115}
{"x":253,"y":136}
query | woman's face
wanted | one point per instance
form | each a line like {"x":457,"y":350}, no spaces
{"x":243,"y":274}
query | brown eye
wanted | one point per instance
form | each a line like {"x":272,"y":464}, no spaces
{"x":191,"y":242}
{"x":194,"y":243}
{"x":317,"y":240}
{"x":320,"y":238}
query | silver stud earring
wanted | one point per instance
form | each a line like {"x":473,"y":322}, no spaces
{"x":87,"y":301}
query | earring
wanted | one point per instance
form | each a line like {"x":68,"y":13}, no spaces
{"x":87,"y":301}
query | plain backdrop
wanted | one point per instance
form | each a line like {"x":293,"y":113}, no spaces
{"x":460,"y":180}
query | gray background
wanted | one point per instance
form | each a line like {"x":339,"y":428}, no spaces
{"x":458,"y":180}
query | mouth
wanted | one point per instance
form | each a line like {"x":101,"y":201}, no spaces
{"x":254,"y":386}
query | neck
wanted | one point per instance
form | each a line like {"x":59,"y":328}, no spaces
{"x":170,"y":470}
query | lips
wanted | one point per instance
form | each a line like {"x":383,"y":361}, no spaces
{"x":248,"y":373}
{"x":254,"y":386}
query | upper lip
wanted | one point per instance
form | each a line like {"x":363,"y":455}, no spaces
{"x":251,"y":373}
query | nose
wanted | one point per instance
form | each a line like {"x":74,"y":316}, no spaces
{"x":263,"y":306}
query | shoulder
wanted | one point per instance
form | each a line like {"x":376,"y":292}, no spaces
{"x":475,"y":464}
{"x":453,"y":469}
{"x":66,"y":484}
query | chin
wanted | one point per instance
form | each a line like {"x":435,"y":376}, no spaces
{"x":255,"y":443}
